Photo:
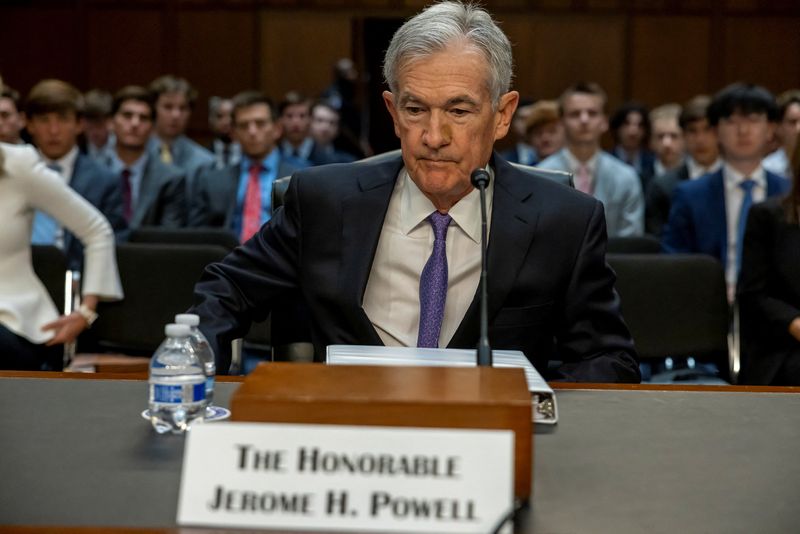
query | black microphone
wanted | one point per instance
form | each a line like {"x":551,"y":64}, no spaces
{"x":480,"y":179}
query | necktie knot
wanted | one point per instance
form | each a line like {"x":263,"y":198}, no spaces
{"x":439,"y":223}
{"x":55,"y":167}
{"x":747,"y":185}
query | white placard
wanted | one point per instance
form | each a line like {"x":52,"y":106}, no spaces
{"x":329,"y":477}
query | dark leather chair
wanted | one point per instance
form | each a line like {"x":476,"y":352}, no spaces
{"x":185,"y":236}
{"x":644,"y":244}
{"x":675,"y":305}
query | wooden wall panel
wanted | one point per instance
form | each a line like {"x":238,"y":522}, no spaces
{"x":125,"y":47}
{"x":41,"y":43}
{"x":552,"y":52}
{"x":298,"y":49}
{"x":763,"y":51}
{"x":669,"y":58}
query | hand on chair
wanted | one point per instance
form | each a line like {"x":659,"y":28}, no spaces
{"x":66,"y":328}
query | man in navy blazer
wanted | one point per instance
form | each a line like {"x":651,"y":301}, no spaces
{"x":388,"y":252}
{"x":708,"y":214}
{"x":54,"y":115}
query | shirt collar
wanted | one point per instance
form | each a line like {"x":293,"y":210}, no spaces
{"x":415,"y":207}
{"x":269,"y":162}
{"x":573,"y":163}
{"x":117,"y":165}
{"x":696,"y":170}
{"x":733,"y":177}
{"x":65,"y":162}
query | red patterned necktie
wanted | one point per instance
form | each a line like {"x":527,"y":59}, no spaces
{"x":251,"y":212}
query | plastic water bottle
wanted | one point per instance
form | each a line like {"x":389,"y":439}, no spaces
{"x":177,"y":383}
{"x":204,"y":353}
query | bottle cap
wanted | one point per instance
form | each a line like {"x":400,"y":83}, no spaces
{"x":187,"y":318}
{"x":177,"y":330}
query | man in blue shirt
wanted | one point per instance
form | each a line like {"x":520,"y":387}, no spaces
{"x":238,"y":197}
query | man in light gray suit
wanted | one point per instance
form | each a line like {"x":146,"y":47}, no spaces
{"x":596,"y":172}
{"x":174,"y":101}
{"x":153,"y":193}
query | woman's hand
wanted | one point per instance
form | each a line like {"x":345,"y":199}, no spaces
{"x":66,"y":328}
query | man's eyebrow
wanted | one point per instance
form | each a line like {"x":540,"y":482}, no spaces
{"x":462,"y":99}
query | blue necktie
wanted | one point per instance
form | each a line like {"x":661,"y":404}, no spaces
{"x":747,"y":201}
{"x":433,"y":284}
{"x":44,"y":226}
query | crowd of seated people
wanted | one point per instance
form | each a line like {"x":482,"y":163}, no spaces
{"x":686,"y":174}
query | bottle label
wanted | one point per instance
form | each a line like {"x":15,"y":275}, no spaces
{"x":178,"y":393}
{"x":209,"y":385}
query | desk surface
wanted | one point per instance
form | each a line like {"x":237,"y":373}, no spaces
{"x":77,"y":452}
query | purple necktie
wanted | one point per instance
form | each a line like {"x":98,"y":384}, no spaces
{"x":433,"y":284}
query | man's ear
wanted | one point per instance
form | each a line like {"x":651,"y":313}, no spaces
{"x":505,"y":113}
{"x":388,"y":99}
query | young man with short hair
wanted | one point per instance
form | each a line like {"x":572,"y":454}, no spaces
{"x":11,"y":120}
{"x":709,"y":214}
{"x":787,"y":132}
{"x":666,"y":138}
{"x":54,"y":114}
{"x":324,"y":130}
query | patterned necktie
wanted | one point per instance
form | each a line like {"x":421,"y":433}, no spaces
{"x":583,"y":180}
{"x":251,"y":210}
{"x":45,"y":227}
{"x":127,"y":195}
{"x":747,"y":201}
{"x":166,"y":154}
{"x":433,"y":284}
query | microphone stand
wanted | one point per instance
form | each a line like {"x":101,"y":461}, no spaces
{"x":480,"y":179}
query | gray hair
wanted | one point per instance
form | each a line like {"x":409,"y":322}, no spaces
{"x":441,"y":24}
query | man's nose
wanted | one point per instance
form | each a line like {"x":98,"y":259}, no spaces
{"x":437,"y":133}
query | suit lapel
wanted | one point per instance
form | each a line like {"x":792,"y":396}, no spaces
{"x":228,"y":189}
{"x":362,"y":220}
{"x":717,"y":217}
{"x":514,"y":219}
{"x":147,"y":188}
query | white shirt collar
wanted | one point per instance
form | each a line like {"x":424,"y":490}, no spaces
{"x":573,"y":163}
{"x":696,"y":170}
{"x":415,"y":207}
{"x":733,"y":177}
{"x":66,"y":163}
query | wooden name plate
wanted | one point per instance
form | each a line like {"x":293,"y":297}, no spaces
{"x":432,"y":397}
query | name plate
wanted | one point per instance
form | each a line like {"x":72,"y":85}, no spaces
{"x":327,"y":477}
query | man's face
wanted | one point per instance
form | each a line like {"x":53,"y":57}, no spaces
{"x":97,"y":131}
{"x":132,"y":124}
{"x":324,"y":125}
{"x":584,"y":120}
{"x":631,"y":133}
{"x":296,"y":120}
{"x":172,"y":115}
{"x":701,"y":142}
{"x":789,"y":127}
{"x":222,"y":119}
{"x":255,"y":130}
{"x":744,"y":137}
{"x":11,"y":121}
{"x":547,"y":138}
{"x":443,"y":115}
{"x":666,"y":140}
{"x":55,"y":133}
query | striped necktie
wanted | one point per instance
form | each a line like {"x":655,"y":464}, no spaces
{"x":433,"y":284}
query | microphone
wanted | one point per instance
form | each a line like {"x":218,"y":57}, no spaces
{"x":480,"y":179}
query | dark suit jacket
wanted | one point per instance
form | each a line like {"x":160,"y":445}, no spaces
{"x":697,"y":221}
{"x":101,"y":188}
{"x":769,"y":292}
{"x":214,"y":199}
{"x":658,"y":198}
{"x":551,"y":293}
{"x":162,"y":196}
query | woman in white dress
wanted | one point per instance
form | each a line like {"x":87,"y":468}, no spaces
{"x":32,"y":333}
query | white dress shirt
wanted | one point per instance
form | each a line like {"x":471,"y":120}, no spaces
{"x":696,"y":170}
{"x":573,"y":164}
{"x":733,"y":205}
{"x":391,"y":298}
{"x":66,"y":165}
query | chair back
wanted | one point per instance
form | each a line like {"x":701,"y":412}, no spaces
{"x":674,"y":304}
{"x":185,"y":236}
{"x":158,"y":280}
{"x":50,"y":265}
{"x":643,"y":244}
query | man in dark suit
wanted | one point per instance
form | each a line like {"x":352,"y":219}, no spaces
{"x":54,"y":111}
{"x":153,"y":193}
{"x":389,"y":252}
{"x":222,"y":196}
{"x":702,"y":158}
{"x":324,"y":131}
{"x":709,"y":214}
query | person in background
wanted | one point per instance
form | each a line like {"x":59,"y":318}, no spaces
{"x":769,"y":289}
{"x":174,"y":100}
{"x":11,"y":119}
{"x":54,"y":115}
{"x":239,"y":197}
{"x":630,"y":126}
{"x":522,"y":152}
{"x":153,"y":192}
{"x":296,"y":145}
{"x":220,"y":120}
{"x":342,"y":94}
{"x":702,"y":158}
{"x":97,"y":124}
{"x":32,"y":333}
{"x":595,"y":171}
{"x":543,"y":129}
{"x":787,"y":132}
{"x":325,"y":129}
{"x":708,"y":215}
{"x":666,"y":138}
{"x":354,"y":239}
